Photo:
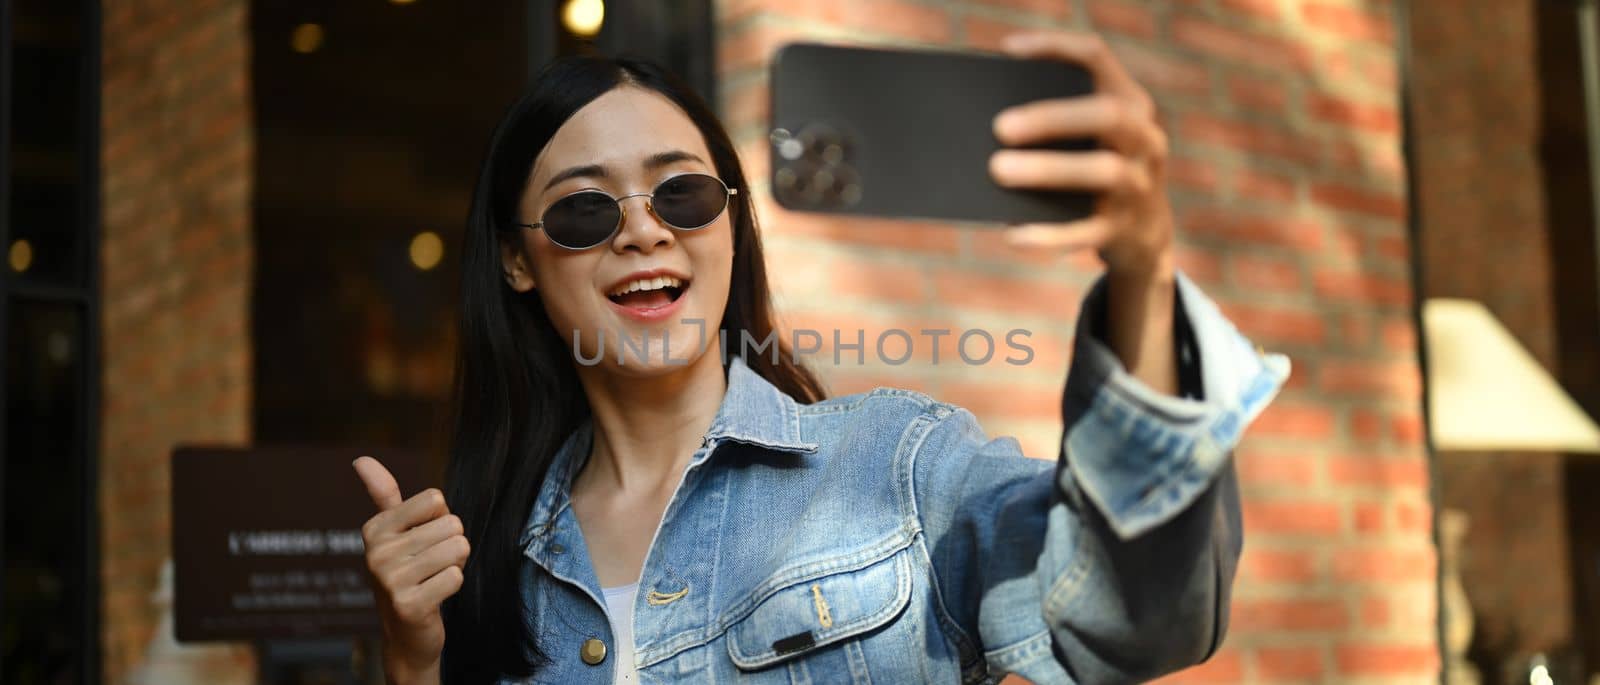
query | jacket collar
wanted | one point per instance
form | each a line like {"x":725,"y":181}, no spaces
{"x":753,"y":411}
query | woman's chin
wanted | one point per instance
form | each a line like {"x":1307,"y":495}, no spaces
{"x":624,"y":345}
{"x":650,"y":359}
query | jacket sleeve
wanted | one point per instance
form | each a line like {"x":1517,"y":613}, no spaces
{"x":1116,"y":564}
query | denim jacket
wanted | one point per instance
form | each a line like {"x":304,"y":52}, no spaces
{"x":882,"y":537}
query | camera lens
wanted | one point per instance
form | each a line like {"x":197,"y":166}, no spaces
{"x":850,"y":194}
{"x":833,"y":153}
{"x":823,"y":179}
{"x":846,"y":185}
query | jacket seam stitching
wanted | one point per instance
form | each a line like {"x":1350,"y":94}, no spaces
{"x":968,"y":649}
{"x":1059,"y":601}
{"x":920,"y":400}
{"x":1022,"y":651}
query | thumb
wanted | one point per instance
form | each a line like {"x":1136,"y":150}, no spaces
{"x":381,"y":486}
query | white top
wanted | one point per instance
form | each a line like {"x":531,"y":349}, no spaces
{"x":619,"y":608}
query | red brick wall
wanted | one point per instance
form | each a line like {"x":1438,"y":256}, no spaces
{"x":1289,"y":183}
{"x":176,"y":259}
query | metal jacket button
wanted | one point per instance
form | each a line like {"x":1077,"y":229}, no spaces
{"x":594,"y":651}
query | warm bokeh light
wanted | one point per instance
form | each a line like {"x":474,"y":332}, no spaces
{"x":307,"y":38}
{"x":426,"y":250}
{"x":402,"y":2}
{"x":583,"y":17}
{"x":21,"y":256}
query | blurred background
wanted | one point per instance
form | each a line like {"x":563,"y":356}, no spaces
{"x":236,"y":223}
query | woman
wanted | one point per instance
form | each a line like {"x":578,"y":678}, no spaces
{"x":682,"y":510}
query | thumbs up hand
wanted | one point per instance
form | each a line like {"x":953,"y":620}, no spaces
{"x":416,"y":551}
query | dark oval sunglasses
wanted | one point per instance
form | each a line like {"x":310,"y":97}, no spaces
{"x":590,"y":217}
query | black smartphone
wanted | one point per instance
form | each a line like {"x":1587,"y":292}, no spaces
{"x":908,"y":133}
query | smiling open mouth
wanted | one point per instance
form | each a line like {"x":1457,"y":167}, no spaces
{"x":649,"y":293}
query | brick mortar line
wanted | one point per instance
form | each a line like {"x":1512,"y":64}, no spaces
{"x":964,"y":261}
{"x":968,"y":317}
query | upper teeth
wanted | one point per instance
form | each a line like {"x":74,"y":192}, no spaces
{"x":656,"y":283}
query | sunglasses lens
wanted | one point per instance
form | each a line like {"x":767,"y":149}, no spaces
{"x":690,"y":200}
{"x":581,"y":220}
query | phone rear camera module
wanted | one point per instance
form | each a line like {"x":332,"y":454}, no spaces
{"x":814,"y":168}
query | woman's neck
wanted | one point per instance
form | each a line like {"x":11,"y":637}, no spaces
{"x":647,"y":428}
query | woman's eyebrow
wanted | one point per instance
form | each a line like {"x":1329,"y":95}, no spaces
{"x":661,"y":159}
{"x":653,"y":162}
{"x":594,"y":170}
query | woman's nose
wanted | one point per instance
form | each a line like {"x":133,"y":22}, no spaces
{"x":641,"y":228}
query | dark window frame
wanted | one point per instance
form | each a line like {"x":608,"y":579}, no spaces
{"x":85,"y":295}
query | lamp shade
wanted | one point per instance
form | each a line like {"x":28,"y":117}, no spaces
{"x":1486,"y":392}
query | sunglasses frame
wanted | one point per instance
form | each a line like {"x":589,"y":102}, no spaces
{"x":622,"y":212}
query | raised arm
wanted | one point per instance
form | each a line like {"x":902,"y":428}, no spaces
{"x":1132,"y":225}
{"x":1116,"y":565}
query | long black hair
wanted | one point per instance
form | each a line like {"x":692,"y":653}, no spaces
{"x":516,"y":396}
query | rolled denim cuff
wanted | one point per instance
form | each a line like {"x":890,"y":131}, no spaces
{"x":1142,"y":456}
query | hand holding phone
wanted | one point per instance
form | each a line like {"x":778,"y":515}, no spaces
{"x":908,"y":133}
{"x":1131,"y":225}
{"x":1053,"y":137}
{"x":904,"y":143}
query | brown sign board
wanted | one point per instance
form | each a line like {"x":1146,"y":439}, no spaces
{"x":266,"y":542}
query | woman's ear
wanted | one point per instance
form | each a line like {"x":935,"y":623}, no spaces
{"x":518,"y":274}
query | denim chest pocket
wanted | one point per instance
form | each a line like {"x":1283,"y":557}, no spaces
{"x":802,"y":622}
